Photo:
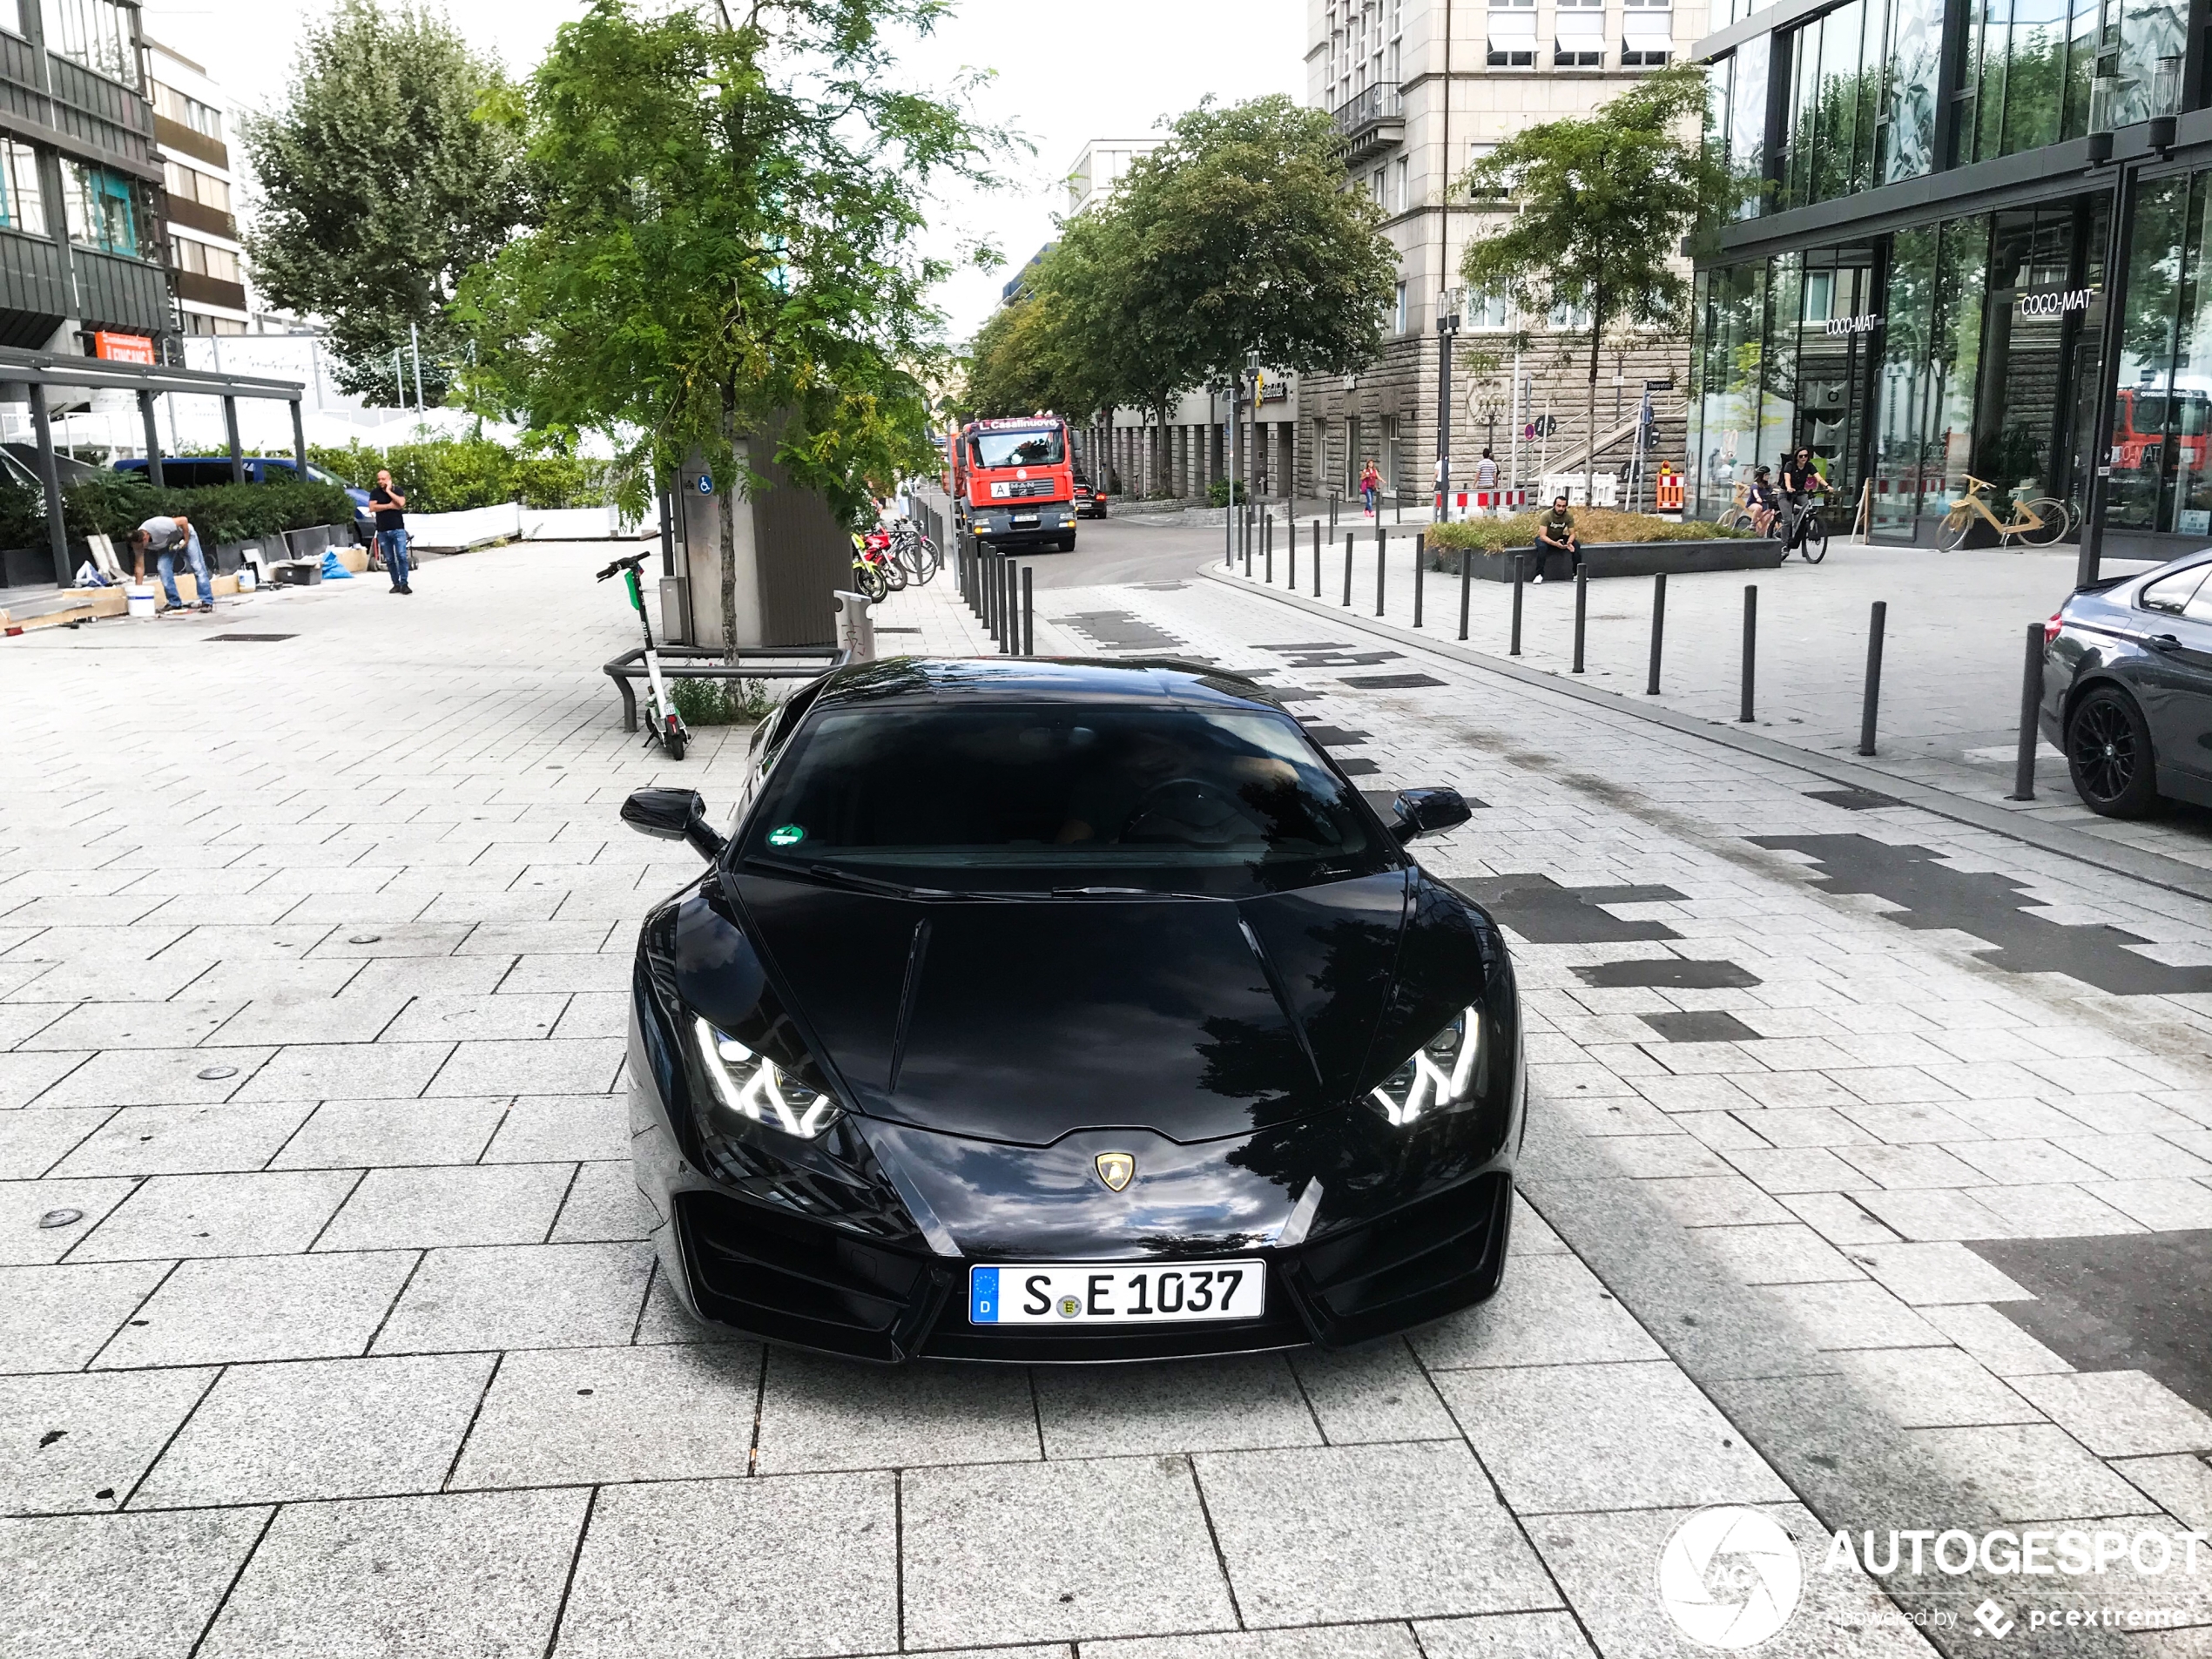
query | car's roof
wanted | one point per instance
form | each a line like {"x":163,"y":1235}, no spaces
{"x":1159,"y":681}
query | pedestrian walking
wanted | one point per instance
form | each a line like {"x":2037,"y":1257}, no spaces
{"x":391,"y":530}
{"x":165,"y":536}
{"x":1370,"y":485}
{"x":1556,"y":535}
{"x":1485,"y":475}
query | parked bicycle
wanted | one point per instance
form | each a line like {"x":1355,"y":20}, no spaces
{"x":876,"y":573}
{"x":913,"y":551}
{"x":2035,"y":522}
{"x":664,"y":725}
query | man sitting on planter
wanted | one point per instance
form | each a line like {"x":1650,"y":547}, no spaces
{"x":165,"y":536}
{"x":1555,"y":534}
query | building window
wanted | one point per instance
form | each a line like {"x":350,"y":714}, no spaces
{"x":201,"y":259}
{"x":1402,"y":317}
{"x":1862,"y":98}
{"x":102,"y":213}
{"x":199,"y":323}
{"x":1647,"y":34}
{"x":11,"y":17}
{"x":96,"y":33}
{"x":22,"y":204}
{"x":1578,"y":39}
{"x":1512,"y":35}
{"x":194,"y":186}
{"x":1400,"y":184}
{"x":1485,"y":313}
{"x":202,"y":118}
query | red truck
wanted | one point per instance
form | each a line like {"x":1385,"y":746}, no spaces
{"x":1015,"y":481}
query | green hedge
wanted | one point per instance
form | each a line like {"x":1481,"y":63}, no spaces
{"x":455,"y":475}
{"x":117,"y":503}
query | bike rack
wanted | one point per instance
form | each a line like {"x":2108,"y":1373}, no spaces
{"x":712,"y":662}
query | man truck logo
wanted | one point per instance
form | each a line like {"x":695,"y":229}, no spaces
{"x":1116,"y":1170}
{"x":2053,"y":302}
{"x":1729,"y":1577}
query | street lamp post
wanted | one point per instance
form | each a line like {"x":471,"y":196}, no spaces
{"x":1447,"y":328}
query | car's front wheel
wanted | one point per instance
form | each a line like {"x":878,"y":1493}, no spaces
{"x":2109,"y":754}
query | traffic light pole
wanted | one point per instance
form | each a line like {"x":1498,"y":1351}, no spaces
{"x":1447,"y":327}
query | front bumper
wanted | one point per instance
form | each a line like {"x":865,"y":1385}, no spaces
{"x":1405,"y":1233}
{"x":1022,"y":521}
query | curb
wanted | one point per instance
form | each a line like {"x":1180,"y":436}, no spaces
{"x":2155,"y":869}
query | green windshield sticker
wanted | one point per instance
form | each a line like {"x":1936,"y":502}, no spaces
{"x":787,"y":835}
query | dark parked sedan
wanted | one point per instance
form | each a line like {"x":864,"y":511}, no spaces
{"x":2128,"y":688}
{"x":1048,"y":1010}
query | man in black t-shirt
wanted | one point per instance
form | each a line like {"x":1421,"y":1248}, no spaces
{"x":391,"y":530}
{"x":1555,"y":534}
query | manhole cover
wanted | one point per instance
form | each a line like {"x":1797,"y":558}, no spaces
{"x":216,"y":1074}
{"x":366,"y":939}
{"x":61,"y":1218}
{"x":247,"y":639}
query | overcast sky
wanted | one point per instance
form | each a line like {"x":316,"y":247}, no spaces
{"x":1064,"y":74}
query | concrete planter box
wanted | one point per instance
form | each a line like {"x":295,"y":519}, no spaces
{"x":26,"y":566}
{"x":1605,"y":559}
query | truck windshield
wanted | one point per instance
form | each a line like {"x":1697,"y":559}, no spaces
{"x":1063,"y":798}
{"x":1015,"y":449}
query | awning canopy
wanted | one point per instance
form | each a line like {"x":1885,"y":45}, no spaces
{"x":55,"y":369}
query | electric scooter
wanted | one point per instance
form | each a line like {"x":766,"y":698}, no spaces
{"x":664,"y":725}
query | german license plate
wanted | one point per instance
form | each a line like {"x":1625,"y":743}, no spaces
{"x":1024,"y":520}
{"x":1088,"y":1295}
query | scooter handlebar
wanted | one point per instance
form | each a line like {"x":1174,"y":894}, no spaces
{"x":620,"y":565}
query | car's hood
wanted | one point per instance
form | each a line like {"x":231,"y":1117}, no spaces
{"x":1023,"y":1022}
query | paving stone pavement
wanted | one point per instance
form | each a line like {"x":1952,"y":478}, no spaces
{"x":326,"y":1326}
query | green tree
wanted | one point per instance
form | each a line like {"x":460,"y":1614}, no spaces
{"x":1599,"y":207}
{"x":731,"y":250}
{"x":1236,"y":239}
{"x":377,"y":187}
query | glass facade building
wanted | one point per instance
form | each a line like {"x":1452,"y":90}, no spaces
{"x":1972,"y":245}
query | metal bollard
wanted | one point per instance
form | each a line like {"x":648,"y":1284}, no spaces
{"x":1267,"y":546}
{"x":1028,"y":614}
{"x":1581,"y":612}
{"x":1316,"y":558}
{"x":1420,"y":566}
{"x":1658,"y":631}
{"x":2031,"y":711}
{"x":1873,"y":676}
{"x":1750,"y":649}
{"x":1348,"y":539}
{"x":1520,"y":569}
{"x":1382,"y":567}
{"x":1290,"y":552}
{"x":1466,"y":582}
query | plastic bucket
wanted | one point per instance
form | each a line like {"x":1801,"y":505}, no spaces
{"x":139,"y":602}
{"x":248,"y":578}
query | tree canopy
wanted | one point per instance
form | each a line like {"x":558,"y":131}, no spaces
{"x":377,"y":187}
{"x":1234,"y":239}
{"x":727,"y":246}
{"x":1598,"y":206}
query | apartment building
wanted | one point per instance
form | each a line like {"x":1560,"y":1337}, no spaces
{"x":191,"y":121}
{"x":1421,"y":90}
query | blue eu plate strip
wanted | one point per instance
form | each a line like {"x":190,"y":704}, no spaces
{"x":984,"y":1295}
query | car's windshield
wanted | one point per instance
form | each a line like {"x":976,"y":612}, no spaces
{"x":1015,"y":449}
{"x":1036,"y":799}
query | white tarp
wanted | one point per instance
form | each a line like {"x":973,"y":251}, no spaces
{"x":576,"y":524}
{"x":450,"y":532}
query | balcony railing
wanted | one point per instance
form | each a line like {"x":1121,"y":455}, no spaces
{"x":1379,"y":103}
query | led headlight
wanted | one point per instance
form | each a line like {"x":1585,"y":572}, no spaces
{"x":755,"y":1088}
{"x":1437,"y":1077}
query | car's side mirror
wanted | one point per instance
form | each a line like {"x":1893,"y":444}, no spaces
{"x":673,"y":815}
{"x":1426,"y":811}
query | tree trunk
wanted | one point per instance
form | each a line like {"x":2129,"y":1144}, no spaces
{"x":1589,"y":460}
{"x":729,"y":493}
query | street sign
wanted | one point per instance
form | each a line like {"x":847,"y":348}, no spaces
{"x":706,"y":484}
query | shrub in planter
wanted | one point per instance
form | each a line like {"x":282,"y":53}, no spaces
{"x":1592,"y":524}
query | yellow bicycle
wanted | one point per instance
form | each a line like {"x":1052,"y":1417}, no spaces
{"x":2036,"y":523}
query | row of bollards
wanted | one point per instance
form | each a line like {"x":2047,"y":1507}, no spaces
{"x":2031,"y":692}
{"x":1001,"y":593}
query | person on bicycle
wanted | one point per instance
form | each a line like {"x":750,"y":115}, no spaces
{"x":1801,"y":481}
{"x":1763,"y":502}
